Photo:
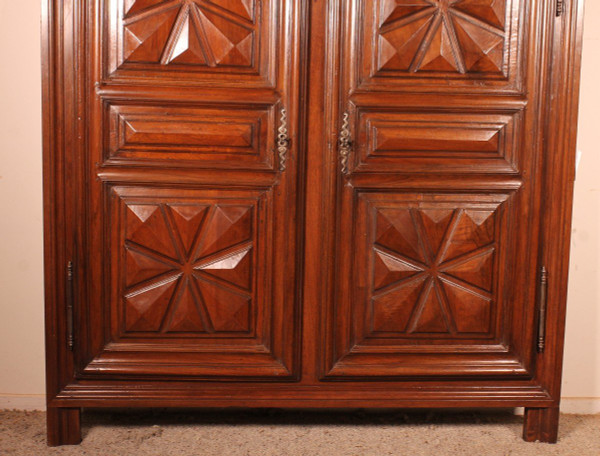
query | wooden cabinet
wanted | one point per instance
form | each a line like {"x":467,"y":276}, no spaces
{"x":284,"y":203}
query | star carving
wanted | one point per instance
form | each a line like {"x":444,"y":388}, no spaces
{"x":461,"y":36}
{"x":189,"y":32}
{"x":433,"y":271}
{"x":188,"y":268}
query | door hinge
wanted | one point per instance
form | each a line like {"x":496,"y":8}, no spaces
{"x":543,"y":302}
{"x":560,"y":7}
{"x":69,"y":296}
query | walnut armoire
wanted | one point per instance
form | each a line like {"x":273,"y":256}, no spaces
{"x":294,"y":203}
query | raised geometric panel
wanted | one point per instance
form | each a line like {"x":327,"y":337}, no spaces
{"x":418,"y":41}
{"x":213,"y":43}
{"x":425,"y":248}
{"x":193,"y":136}
{"x":437,"y":142}
{"x":194,"y":283}
{"x":422,"y":292}
{"x":187,"y":32}
{"x":189,"y":267}
{"x":461,"y":36}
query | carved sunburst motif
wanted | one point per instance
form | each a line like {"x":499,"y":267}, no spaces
{"x":188,"y":268}
{"x":442,"y":35}
{"x":193,"y":32}
{"x":433,"y":270}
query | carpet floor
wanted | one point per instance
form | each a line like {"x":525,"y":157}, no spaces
{"x":297,"y":433}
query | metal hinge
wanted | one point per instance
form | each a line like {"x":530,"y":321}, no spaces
{"x":543,"y":302}
{"x":69,"y":298}
{"x":560,"y":7}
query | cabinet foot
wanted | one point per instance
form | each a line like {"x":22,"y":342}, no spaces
{"x":63,"y":425}
{"x":541,"y":424}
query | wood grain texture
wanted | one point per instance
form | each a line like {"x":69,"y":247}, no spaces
{"x":438,"y":42}
{"x":208,"y":137}
{"x":200,"y":39}
{"x":541,"y":425}
{"x":64,"y":426}
{"x":436,"y":142}
{"x":208,"y":275}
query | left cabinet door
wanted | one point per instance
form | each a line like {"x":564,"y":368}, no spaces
{"x":188,"y":179}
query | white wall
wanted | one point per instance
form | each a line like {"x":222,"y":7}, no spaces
{"x":21,"y":292}
{"x":581,"y":384}
{"x":21,"y":260}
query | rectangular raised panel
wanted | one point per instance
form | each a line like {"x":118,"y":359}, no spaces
{"x":200,"y":38}
{"x":199,"y":136}
{"x":190,"y":285}
{"x":445,"y":42}
{"x":427,"y":289}
{"x":437,"y":142}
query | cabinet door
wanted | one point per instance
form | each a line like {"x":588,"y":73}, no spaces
{"x":438,"y":200}
{"x":189,"y":190}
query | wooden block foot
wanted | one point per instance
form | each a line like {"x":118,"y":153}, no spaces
{"x":541,"y":424}
{"x":64,"y":426}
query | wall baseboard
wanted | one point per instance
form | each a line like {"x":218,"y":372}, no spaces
{"x":22,"y":402}
{"x":574,"y":405}
{"x":580,"y":405}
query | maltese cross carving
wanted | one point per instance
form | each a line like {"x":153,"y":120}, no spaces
{"x":433,"y":270}
{"x":188,"y":268}
{"x":190,"y":32}
{"x":460,"y":36}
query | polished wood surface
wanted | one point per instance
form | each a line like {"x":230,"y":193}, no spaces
{"x":424,"y":275}
{"x":226,"y":252}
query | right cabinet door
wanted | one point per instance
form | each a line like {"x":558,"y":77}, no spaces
{"x":439,"y":199}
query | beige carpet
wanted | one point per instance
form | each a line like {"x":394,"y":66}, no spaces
{"x":266,"y":433}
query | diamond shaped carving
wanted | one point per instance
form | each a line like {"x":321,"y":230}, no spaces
{"x":447,"y":36}
{"x":433,"y":270}
{"x":190,"y":32}
{"x":188,"y":268}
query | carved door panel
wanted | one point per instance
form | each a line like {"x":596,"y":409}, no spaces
{"x":191,"y":200}
{"x":436,"y":225}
